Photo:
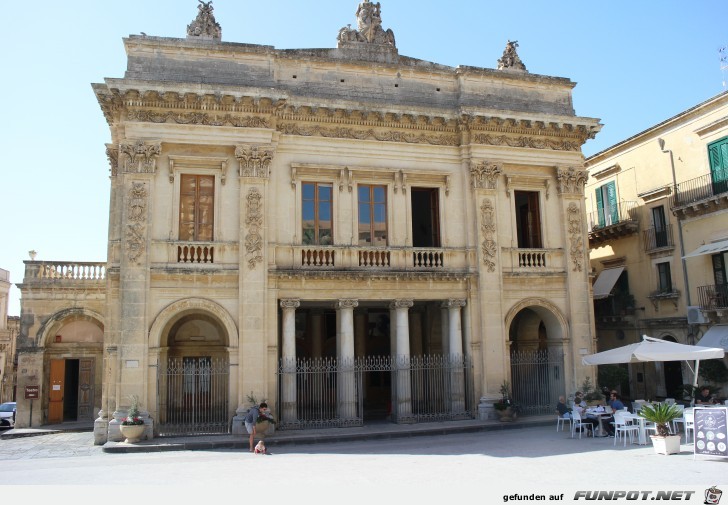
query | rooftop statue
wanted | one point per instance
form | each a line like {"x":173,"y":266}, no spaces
{"x":510,"y":59}
{"x":204,"y":25}
{"x":369,"y":24}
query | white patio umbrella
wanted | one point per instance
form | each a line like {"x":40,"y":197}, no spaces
{"x":654,"y":349}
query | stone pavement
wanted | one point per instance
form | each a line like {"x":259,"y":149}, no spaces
{"x":74,"y":438}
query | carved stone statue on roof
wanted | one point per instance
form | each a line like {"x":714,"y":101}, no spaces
{"x":204,"y":26}
{"x":510,"y":59}
{"x":369,"y":24}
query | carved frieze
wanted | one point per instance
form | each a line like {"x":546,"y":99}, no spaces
{"x":485,"y":174}
{"x":136,"y":210}
{"x":204,"y":26}
{"x":573,"y":217}
{"x":255,"y":160}
{"x":254,"y":222}
{"x":571,"y":181}
{"x":438,"y":139}
{"x":488,"y":227}
{"x":198,"y":118}
{"x":139,"y":157}
{"x":525,"y":141}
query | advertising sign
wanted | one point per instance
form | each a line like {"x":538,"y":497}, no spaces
{"x":32,"y":392}
{"x":711,"y":431}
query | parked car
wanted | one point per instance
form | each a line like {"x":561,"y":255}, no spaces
{"x":7,"y":414}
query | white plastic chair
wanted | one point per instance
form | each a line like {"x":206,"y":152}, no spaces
{"x":622,"y":428}
{"x":561,"y":421}
{"x":679,"y":420}
{"x":689,"y":417}
{"x":578,"y":424}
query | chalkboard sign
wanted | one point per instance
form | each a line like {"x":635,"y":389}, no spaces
{"x":711,"y":431}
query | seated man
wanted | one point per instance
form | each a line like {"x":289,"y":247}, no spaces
{"x":615,"y":402}
{"x":704,"y":397}
{"x":562,"y":409}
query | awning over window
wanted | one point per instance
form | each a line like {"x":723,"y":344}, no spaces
{"x":712,"y":248}
{"x":606,"y":281}
{"x":716,"y":336}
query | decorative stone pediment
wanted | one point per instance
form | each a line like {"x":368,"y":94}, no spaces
{"x":204,"y":26}
{"x":369,"y":28}
{"x":139,"y":157}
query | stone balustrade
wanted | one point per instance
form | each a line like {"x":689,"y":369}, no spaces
{"x":533,"y":260}
{"x":71,"y":272}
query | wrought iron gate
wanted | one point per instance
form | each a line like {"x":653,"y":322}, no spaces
{"x":328,"y":392}
{"x":537,"y":379}
{"x":193,"y":396}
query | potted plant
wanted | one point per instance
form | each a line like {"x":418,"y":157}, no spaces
{"x":132,"y":426}
{"x":592,"y":397}
{"x":505,"y":408}
{"x":662,"y":414}
{"x":265,"y":424}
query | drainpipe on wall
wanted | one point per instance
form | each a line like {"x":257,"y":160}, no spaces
{"x":679,"y":222}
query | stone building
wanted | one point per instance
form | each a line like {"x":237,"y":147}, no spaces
{"x":658,"y":208}
{"x":347,"y":233}
{"x":8,"y":334}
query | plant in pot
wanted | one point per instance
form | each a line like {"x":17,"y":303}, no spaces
{"x":132,"y":426}
{"x":265,"y":424}
{"x":662,"y":414}
{"x":505,"y":408}
{"x":591,"y":395}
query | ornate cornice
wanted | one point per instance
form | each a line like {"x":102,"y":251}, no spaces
{"x":198,"y":118}
{"x":112,"y":153}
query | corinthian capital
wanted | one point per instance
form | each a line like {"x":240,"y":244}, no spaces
{"x":401,"y":304}
{"x":571,"y":180}
{"x":290,"y":303}
{"x":254,"y":160}
{"x":347,"y":303}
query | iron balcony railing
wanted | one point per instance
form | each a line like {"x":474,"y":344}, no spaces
{"x":611,"y":215}
{"x":713,"y":297}
{"x":698,"y":189}
{"x":658,"y":238}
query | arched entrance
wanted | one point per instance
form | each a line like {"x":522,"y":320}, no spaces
{"x":536,"y":332}
{"x":193,"y":377}
{"x":73,"y":340}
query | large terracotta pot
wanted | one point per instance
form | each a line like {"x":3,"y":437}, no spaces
{"x":132,"y":432}
{"x":507,"y":415}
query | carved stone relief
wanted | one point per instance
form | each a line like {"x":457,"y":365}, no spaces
{"x":489,"y":245}
{"x":401,"y":304}
{"x":204,"y":26}
{"x":510,"y":59}
{"x":198,"y":118}
{"x":575,"y":236}
{"x":136,"y":213}
{"x":368,"y":134}
{"x":254,"y":222}
{"x":485,"y":174}
{"x":524,"y":141}
{"x":571,"y":181}
{"x":254,"y":160}
{"x":369,"y":24}
{"x":346,"y":303}
{"x":139,"y":157}
{"x":112,"y":153}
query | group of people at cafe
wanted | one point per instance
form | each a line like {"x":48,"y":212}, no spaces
{"x":614,"y":401}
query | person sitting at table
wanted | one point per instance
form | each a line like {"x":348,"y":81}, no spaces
{"x":704,"y":397}
{"x":562,"y":409}
{"x":587,"y":418}
{"x":579,"y":399}
{"x":615,"y":401}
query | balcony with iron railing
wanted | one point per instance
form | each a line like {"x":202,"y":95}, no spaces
{"x":612,"y":223}
{"x":700,"y":195}
{"x":657,"y":240}
{"x":664,"y":293}
{"x":713,"y":297}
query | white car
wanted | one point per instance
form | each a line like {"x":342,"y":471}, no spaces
{"x":7,"y":414}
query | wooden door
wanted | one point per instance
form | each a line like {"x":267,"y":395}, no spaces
{"x":55,"y":393}
{"x":86,"y":388}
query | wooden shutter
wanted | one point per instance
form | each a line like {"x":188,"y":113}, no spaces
{"x":600,"y":206}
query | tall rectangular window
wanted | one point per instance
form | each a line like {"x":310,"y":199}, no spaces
{"x":528,"y":220}
{"x":658,"y":219}
{"x":372,"y":215}
{"x":196,"y":207}
{"x":318,"y":228}
{"x":664,"y":279}
{"x":425,"y":217}
{"x":718,"y":156}
{"x":607,"y":209}
{"x":719,"y":269}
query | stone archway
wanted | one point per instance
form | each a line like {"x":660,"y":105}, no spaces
{"x":537,"y":333}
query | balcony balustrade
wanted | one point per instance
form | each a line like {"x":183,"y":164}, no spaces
{"x":533,"y":260}
{"x":64,"y":272}
{"x":658,"y":239}
{"x":713,"y":297}
{"x":699,"y":196}
{"x":609,"y":224}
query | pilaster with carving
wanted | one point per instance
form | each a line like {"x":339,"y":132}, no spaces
{"x":254,"y":222}
{"x":576,"y":239}
{"x":255,"y":160}
{"x":139,"y":157}
{"x":136,"y":211}
{"x":112,"y":153}
{"x":488,"y":227}
{"x":571,"y":181}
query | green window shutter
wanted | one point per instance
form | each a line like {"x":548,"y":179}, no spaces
{"x":612,"y":199}
{"x":600,"y":206}
{"x":718,"y":156}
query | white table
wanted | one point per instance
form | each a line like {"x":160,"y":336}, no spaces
{"x":600,"y":416}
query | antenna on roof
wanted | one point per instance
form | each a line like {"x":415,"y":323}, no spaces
{"x":723,"y":51}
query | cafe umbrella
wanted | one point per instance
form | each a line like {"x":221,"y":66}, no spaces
{"x":654,"y":349}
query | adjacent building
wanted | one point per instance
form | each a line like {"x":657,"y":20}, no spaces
{"x":349,"y":234}
{"x":658,"y":238}
{"x":8,"y":334}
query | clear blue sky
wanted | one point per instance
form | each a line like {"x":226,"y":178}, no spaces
{"x":636,"y":63}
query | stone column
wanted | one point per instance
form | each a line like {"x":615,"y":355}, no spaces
{"x":317,"y":338}
{"x":402,"y":402}
{"x":455,"y":338}
{"x":346,"y":387}
{"x":288,"y":358}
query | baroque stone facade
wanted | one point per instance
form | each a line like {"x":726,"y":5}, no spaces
{"x":367,"y":227}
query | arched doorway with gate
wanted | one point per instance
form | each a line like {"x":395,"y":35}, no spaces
{"x":536,"y":334}
{"x":197,"y":343}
